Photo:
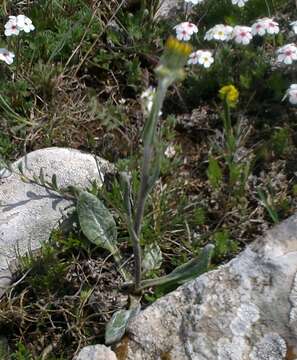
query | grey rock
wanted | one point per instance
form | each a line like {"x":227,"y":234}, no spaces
{"x":246,"y":309}
{"x":169,"y":9}
{"x":28,"y":212}
{"x":96,"y":352}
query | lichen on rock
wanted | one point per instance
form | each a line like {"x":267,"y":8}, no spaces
{"x":271,"y":347}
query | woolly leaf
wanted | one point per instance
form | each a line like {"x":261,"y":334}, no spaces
{"x":96,"y":221}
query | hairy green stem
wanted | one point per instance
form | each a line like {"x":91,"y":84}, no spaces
{"x":145,"y":185}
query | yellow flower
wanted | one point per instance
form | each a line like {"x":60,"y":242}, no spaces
{"x":173,"y":60}
{"x":230,"y":94}
{"x":178,"y":47}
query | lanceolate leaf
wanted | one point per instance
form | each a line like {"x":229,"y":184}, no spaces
{"x":96,"y":222}
{"x":182,"y":273}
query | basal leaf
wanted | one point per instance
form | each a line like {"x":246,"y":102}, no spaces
{"x":182,"y":273}
{"x":96,"y":221}
{"x":116,"y":327}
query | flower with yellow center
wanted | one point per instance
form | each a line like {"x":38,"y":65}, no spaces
{"x":230,"y":94}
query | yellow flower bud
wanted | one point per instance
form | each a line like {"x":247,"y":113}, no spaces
{"x":230,"y":94}
{"x":178,"y":47}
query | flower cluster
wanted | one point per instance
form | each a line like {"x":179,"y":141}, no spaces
{"x":14,"y":26}
{"x":265,"y":26}
{"x":242,"y":35}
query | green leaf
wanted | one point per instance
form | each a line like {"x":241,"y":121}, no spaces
{"x":152,"y":258}
{"x":116,"y":327}
{"x":54,"y":182}
{"x":41,"y":176}
{"x":214,"y":173}
{"x":96,"y":221}
{"x":182,"y":273}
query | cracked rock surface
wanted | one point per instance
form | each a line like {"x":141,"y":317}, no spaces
{"x":244,"y":310}
{"x":28,"y":212}
{"x":169,"y":9}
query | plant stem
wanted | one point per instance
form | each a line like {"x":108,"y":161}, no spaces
{"x":17,"y":57}
{"x":146,"y":183}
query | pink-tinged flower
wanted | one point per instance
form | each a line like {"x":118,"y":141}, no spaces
{"x":287,"y":54}
{"x":185,"y":30}
{"x":18,"y":23}
{"x":242,"y":35}
{"x":259,"y":28}
{"x":292,"y":94}
{"x":272,"y":26}
{"x":201,"y":57}
{"x":194,"y":57}
{"x":11,"y":27}
{"x":265,"y":26}
{"x":6,"y":56}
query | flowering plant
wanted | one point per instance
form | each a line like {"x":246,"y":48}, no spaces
{"x":13,"y":27}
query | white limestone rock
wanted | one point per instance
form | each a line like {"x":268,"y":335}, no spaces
{"x":96,"y":352}
{"x":246,"y":309}
{"x":169,"y":9}
{"x":28,"y":212}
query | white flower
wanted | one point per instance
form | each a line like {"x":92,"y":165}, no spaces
{"x":219,"y":32}
{"x":24,"y":23}
{"x":11,"y":27}
{"x":6,"y":56}
{"x":18,"y":23}
{"x":292,"y":94}
{"x":272,"y":26}
{"x":294,"y":26}
{"x":206,"y":59}
{"x":194,"y":57}
{"x":170,"y":152}
{"x":147,"y":98}
{"x":240,"y":3}
{"x":259,"y":28}
{"x":265,"y":25}
{"x":242,"y":34}
{"x":287,"y":54}
{"x":201,"y":57}
{"x":185,"y":30}
{"x":194,"y":2}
